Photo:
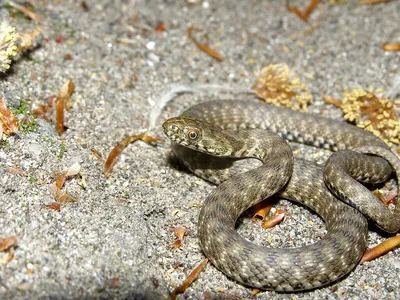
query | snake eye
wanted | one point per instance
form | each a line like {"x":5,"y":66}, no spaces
{"x":193,"y":134}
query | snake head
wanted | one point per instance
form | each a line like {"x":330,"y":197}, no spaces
{"x":198,"y":135}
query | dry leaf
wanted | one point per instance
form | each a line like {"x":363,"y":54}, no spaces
{"x":16,"y":171}
{"x":26,"y":39}
{"x":277,"y":218}
{"x":381,"y":249}
{"x":60,"y":196}
{"x":262,"y":209}
{"x":372,"y":1}
{"x":55,"y":205}
{"x":26,"y":12}
{"x":7,"y":243}
{"x":9,"y":122}
{"x":60,"y":182}
{"x":304,"y":16}
{"x":24,"y":286}
{"x":391,"y":47}
{"x":180,"y":232}
{"x":116,"y":151}
{"x":73,"y":170}
{"x":97,"y":154}
{"x":160,"y":27}
{"x":330,"y":100}
{"x":189,"y":280}
{"x":204,"y":47}
{"x":65,"y":198}
{"x":254,"y":292}
{"x":63,"y":100}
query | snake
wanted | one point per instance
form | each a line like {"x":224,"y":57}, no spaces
{"x":210,"y":137}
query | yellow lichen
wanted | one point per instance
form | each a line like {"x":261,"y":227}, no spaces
{"x":278,"y":85}
{"x":8,"y":49}
{"x":11,"y":43}
{"x":374,"y":114}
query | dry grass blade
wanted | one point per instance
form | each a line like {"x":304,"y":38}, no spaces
{"x":391,"y":47}
{"x":304,"y":16}
{"x":8,"y":121}
{"x":26,"y":12}
{"x":372,"y":1}
{"x":116,"y":151}
{"x":7,"y":243}
{"x":189,"y":280}
{"x":381,"y":249}
{"x":60,"y":116}
{"x":203,"y":47}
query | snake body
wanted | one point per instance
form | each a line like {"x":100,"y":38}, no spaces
{"x":209,"y":137}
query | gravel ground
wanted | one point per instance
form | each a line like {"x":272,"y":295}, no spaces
{"x":114,"y":242}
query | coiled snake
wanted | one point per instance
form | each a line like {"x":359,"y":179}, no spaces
{"x":248,"y":130}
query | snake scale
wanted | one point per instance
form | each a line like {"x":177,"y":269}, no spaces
{"x":209,"y":137}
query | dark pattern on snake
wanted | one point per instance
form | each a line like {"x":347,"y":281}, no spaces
{"x":197,"y":144}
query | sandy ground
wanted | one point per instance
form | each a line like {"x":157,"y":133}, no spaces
{"x":114,"y":242}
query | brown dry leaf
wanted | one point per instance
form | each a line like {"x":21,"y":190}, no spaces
{"x":60,"y":182}
{"x":65,"y":92}
{"x":372,"y":1}
{"x":391,"y":47}
{"x":26,"y":39}
{"x":180,"y":232}
{"x":388,"y":198}
{"x":116,"y":151}
{"x":204,"y":47}
{"x":63,"y":100}
{"x":330,"y":100}
{"x":381,"y":249}
{"x":60,"y":196}
{"x":254,"y":292}
{"x":160,"y":27}
{"x":9,"y":122}
{"x":7,"y":242}
{"x":28,"y":271}
{"x":277,"y":218}
{"x":8,"y":256}
{"x":65,"y":198}
{"x":262,"y":209}
{"x":189,"y":280}
{"x":304,"y":16}
{"x":97,"y":154}
{"x":55,"y":205}
{"x":16,"y":171}
{"x":40,"y":112}
{"x":24,"y":286}
{"x":26,"y":12}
